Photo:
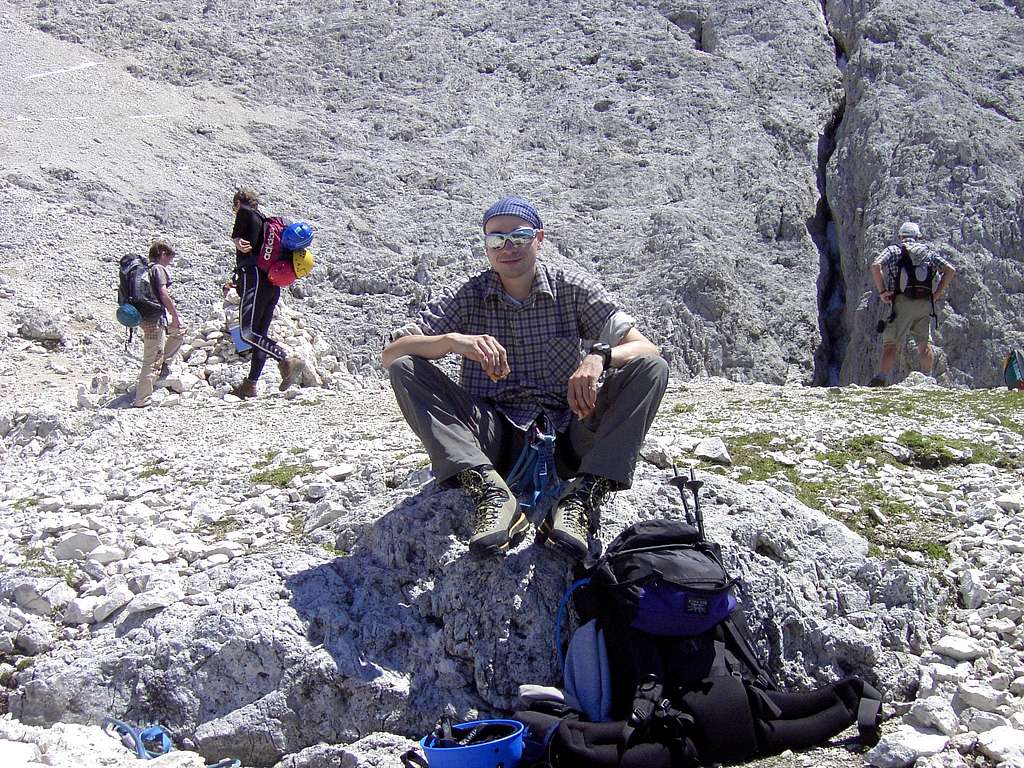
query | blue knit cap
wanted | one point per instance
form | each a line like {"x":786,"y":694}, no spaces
{"x":514,"y":206}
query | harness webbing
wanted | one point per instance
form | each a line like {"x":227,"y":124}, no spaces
{"x":533,"y":479}
{"x":148,"y":743}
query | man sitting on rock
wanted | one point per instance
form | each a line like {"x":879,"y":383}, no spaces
{"x":162,"y":336}
{"x":905,"y":275}
{"x":536,"y":342}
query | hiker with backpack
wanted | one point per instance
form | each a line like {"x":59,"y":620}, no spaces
{"x":904,"y":276}
{"x":538,"y":344}
{"x":162,"y":332}
{"x":258,"y":296}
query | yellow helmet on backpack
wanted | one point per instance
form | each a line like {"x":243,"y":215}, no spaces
{"x":302,"y":262}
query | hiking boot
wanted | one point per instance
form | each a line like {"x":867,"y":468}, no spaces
{"x":877,"y":381}
{"x":165,"y":371}
{"x":498,"y":520}
{"x":291,"y":370}
{"x":576,"y":515}
{"x":245,"y":390}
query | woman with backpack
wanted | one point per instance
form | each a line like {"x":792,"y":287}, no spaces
{"x":258,"y":297}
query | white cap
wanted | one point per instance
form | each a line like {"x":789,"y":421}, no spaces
{"x":910,"y":229}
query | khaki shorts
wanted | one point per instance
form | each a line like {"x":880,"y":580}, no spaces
{"x":913,"y":318}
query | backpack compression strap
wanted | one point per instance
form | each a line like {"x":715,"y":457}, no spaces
{"x":653,"y":717}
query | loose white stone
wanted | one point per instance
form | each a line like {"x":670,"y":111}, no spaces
{"x":339,"y":471}
{"x":935,"y":712}
{"x":50,"y":504}
{"x":81,"y":610}
{"x":1003,"y":744}
{"x":959,"y":648}
{"x":904,"y":746}
{"x":1011,"y":502}
{"x":980,"y":722}
{"x":972,"y":588}
{"x":160,"y":597}
{"x":106,"y":553}
{"x":713,"y":449}
{"x":981,"y":696}
{"x":16,"y":754}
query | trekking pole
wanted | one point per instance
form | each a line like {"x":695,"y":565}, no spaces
{"x":680,"y":483}
{"x":694,"y":485}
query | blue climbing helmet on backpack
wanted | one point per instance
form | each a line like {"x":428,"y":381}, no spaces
{"x":476,"y":744}
{"x":297,"y":236}
{"x":128,"y":316}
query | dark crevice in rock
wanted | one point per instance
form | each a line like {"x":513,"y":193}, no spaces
{"x":693,"y":21}
{"x":828,"y":358}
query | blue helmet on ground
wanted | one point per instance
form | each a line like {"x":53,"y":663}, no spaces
{"x":128,"y":315}
{"x":297,"y":236}
{"x":476,"y":744}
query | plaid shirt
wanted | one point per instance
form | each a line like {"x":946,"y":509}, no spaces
{"x":542,"y":336}
{"x":920,"y":255}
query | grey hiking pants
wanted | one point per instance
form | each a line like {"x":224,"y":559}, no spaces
{"x":459,"y":431}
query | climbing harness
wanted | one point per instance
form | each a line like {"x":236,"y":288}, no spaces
{"x":533,"y":479}
{"x":152,"y":741}
{"x":148,"y":743}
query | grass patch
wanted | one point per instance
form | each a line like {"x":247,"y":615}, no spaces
{"x":936,"y":452}
{"x":868,"y":498}
{"x":857,"y":449}
{"x":27,"y":502}
{"x":153,"y":471}
{"x":267,"y":459}
{"x":281,"y":476}
{"x":335,"y":551}
{"x":221,"y":528}
{"x":1006,"y":406}
{"x":295,"y":525}
{"x":749,"y":451}
{"x":931,"y":549}
{"x":680,"y":408}
{"x":66,"y":571}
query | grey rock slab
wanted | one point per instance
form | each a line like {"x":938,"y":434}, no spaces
{"x":40,"y":324}
{"x":76,"y":545}
{"x":115,"y":599}
{"x":35,"y":638}
{"x":43,"y":596}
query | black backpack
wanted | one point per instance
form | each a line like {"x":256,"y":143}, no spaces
{"x":687,"y":687}
{"x":918,"y":283}
{"x":134,"y":287}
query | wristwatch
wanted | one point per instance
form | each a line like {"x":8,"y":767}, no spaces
{"x":604,"y":351}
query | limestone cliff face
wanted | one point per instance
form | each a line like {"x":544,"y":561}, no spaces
{"x":726,"y":168}
{"x":932,"y":131}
